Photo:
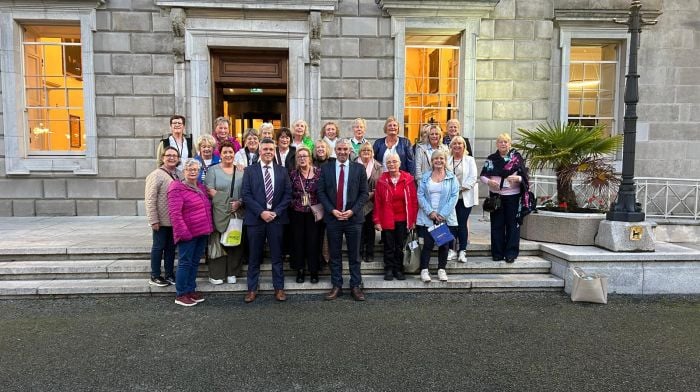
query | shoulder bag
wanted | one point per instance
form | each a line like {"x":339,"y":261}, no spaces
{"x":234,"y":232}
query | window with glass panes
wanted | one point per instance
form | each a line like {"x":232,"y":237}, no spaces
{"x":431,"y":86}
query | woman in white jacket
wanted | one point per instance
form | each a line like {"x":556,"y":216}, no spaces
{"x":464,"y":168}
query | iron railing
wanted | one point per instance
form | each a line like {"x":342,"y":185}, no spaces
{"x":668,"y":198}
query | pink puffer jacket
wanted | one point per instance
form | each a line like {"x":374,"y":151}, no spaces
{"x":190,"y":211}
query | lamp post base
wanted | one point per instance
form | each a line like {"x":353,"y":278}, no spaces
{"x":625,"y":216}
{"x":626,"y":236}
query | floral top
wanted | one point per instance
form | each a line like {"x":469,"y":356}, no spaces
{"x":301,"y":185}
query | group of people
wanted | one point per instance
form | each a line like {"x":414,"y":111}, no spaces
{"x":301,"y":197}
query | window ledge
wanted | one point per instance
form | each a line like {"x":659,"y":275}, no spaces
{"x":443,"y":8}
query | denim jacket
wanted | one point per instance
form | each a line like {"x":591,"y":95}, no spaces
{"x":448,"y":199}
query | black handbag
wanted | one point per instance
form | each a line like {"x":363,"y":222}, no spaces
{"x":492,"y":203}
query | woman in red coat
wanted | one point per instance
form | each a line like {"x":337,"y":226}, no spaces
{"x":395,"y":211}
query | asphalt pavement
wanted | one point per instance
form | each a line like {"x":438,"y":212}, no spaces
{"x":392,"y":342}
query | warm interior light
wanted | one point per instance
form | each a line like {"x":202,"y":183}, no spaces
{"x":583,"y":84}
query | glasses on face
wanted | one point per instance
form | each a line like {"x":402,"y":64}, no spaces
{"x":192,"y":169}
{"x":171,"y":156}
{"x":176,"y":123}
{"x":302,"y":156}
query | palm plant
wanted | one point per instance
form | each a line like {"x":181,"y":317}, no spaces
{"x":571,"y":149}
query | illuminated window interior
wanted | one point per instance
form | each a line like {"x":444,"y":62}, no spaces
{"x":53,"y":85}
{"x":431,"y":85}
{"x":592,"y":79}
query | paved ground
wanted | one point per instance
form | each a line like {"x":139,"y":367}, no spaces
{"x":393,"y":342}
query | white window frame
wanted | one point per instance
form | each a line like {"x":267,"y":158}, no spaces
{"x":18,"y":161}
{"x":468,"y":27}
{"x":597,"y":33}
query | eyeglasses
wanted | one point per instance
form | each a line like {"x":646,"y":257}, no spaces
{"x":302,"y":156}
{"x":171,"y":156}
{"x":192,"y":169}
{"x":176,"y":123}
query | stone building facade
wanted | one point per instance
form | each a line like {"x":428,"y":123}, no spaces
{"x":78,"y":135}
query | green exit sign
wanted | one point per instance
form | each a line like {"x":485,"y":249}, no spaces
{"x":256,"y":91}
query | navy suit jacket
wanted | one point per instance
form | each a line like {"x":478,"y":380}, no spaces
{"x":253,"y":192}
{"x":356,"y":193}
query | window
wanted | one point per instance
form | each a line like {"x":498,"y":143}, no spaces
{"x":53,"y":87}
{"x":593,"y":76}
{"x":47,"y":57}
{"x":431,"y":84}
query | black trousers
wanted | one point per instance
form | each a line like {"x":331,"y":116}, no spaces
{"x":394,"y":242}
{"x":305,"y":237}
{"x":367,"y":237}
{"x":505,"y":230}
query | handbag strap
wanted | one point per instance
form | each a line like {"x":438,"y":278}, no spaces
{"x":233,"y":182}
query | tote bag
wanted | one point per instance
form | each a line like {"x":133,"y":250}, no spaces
{"x":233,"y":234}
{"x":441,"y":234}
{"x":588,"y":287}
{"x":411,"y":254}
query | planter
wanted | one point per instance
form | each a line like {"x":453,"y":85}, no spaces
{"x":561,"y":227}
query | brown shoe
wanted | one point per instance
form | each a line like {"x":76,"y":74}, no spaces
{"x":250,"y":297}
{"x":280,"y":295}
{"x":357,"y":294}
{"x":334,"y":293}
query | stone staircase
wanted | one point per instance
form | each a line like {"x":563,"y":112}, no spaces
{"x":125,"y":270}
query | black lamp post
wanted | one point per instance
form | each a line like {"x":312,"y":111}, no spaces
{"x":625,"y":208}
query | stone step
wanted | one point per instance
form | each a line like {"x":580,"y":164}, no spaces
{"x":457,"y":282}
{"x":61,"y":252}
{"x":121,"y":269}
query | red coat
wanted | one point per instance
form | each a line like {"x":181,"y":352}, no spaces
{"x":383,"y":208}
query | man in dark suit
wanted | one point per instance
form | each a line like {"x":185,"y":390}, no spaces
{"x":342,"y":189}
{"x":267,"y":193}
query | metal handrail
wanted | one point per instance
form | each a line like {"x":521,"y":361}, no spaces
{"x":659,"y":197}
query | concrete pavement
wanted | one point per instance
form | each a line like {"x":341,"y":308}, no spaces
{"x":392,"y":342}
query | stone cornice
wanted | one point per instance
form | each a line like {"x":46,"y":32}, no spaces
{"x":51,"y":4}
{"x":271,"y":5}
{"x":442,"y":8}
{"x":588,"y":16}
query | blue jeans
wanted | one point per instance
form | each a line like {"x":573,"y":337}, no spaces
{"x":335,"y":231}
{"x":462,"y":218}
{"x":505,"y":230}
{"x":163,"y":247}
{"x":190,"y":252}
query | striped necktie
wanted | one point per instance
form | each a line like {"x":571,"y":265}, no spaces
{"x":268,"y":186}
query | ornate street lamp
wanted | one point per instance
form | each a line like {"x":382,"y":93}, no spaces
{"x":626,"y":208}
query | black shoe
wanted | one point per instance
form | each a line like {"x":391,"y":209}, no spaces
{"x":497,"y":258}
{"x":399,"y":275}
{"x":300,"y":276}
{"x":314,"y":278}
{"x":370,"y":259}
{"x":388,"y":275}
{"x":510,"y":259}
{"x":158,"y":281}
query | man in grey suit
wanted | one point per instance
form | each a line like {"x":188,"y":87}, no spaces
{"x":342,"y":189}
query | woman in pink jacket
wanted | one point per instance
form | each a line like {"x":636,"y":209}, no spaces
{"x":190,"y":215}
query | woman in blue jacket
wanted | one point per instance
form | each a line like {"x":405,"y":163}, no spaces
{"x":396,"y":144}
{"x":438,"y":191}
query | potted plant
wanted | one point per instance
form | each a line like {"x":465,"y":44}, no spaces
{"x":575,"y":153}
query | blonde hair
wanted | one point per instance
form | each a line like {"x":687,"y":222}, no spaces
{"x":367,"y":146}
{"x":359,"y":121}
{"x":504,"y":136}
{"x":438,"y":153}
{"x":435,"y":126}
{"x":459,"y":139}
{"x":306,"y":126}
{"x":300,"y":149}
{"x":388,"y":120}
{"x":337,"y":129}
{"x":328,"y":148}
{"x":204,"y":139}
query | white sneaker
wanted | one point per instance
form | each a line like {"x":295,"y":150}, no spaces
{"x":425,"y":275}
{"x":442,"y":275}
{"x":216,"y":281}
{"x":231,"y":280}
{"x":463,"y":256}
{"x":451,"y":255}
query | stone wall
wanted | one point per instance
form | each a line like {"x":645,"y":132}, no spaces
{"x":357,"y":67}
{"x":517,"y":73}
{"x":669,"y":93}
